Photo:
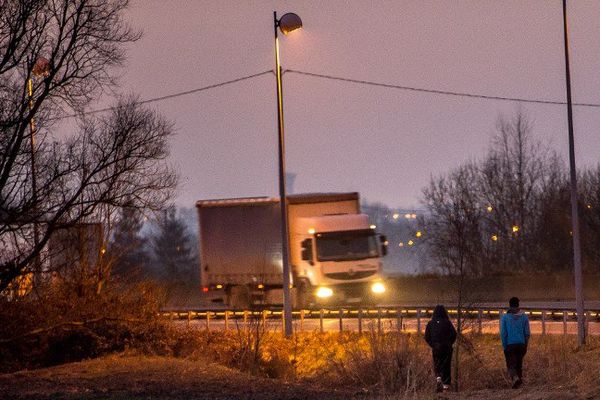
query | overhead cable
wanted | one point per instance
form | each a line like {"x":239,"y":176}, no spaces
{"x":172,"y":95}
{"x":339,"y":79}
{"x":435,"y":91}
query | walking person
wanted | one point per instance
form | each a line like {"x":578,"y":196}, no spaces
{"x":440,"y":335}
{"x":514,"y":332}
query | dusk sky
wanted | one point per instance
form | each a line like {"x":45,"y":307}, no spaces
{"x":384,"y":143}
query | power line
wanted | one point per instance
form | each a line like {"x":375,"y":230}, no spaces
{"x":172,"y":95}
{"x":435,"y":91}
{"x":340,"y":79}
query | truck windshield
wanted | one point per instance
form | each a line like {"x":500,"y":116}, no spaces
{"x":342,"y":246}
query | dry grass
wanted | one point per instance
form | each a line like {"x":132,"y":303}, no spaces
{"x":372,"y":365}
{"x":126,"y":377}
{"x":392,"y":363}
{"x":60,"y":324}
{"x":388,"y":365}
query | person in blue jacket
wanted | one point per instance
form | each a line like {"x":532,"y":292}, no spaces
{"x":514,"y":332}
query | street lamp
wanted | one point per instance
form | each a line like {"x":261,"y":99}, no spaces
{"x":579,"y":300}
{"x":287,"y":23}
{"x":41,"y":68}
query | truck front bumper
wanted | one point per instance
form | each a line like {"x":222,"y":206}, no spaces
{"x":356,"y":293}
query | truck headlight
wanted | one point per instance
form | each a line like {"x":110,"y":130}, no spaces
{"x":324,"y":292}
{"x":378,"y":288}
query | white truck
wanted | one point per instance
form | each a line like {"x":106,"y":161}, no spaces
{"x":335,"y":253}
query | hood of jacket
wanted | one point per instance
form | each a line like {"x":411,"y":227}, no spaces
{"x":439,"y":313}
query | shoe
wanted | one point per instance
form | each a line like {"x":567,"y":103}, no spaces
{"x":517,"y":382}
{"x":439,"y":386}
{"x":446,"y":388}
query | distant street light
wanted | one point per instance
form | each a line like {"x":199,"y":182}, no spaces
{"x":579,"y":301}
{"x":287,"y":23}
{"x":41,"y":68}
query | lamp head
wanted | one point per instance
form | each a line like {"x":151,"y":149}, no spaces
{"x":41,"y":67}
{"x":289,"y":22}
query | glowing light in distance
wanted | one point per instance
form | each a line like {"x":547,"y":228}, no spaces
{"x":515,"y":228}
{"x":490,"y":208}
{"x":261,"y":286}
{"x":410,"y":242}
{"x":378,"y":288}
{"x":396,"y":216}
{"x":401,"y":244}
{"x":324,"y":292}
{"x":419,"y":234}
{"x":311,"y":231}
{"x":219,"y":286}
{"x":495,"y":238}
{"x":372,"y":226}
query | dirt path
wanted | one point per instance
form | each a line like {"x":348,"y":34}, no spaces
{"x":527,"y":394}
{"x":122,"y":377}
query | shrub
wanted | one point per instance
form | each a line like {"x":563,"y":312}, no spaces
{"x":58,"y":324}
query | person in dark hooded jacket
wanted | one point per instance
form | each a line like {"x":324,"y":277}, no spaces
{"x":440,"y":335}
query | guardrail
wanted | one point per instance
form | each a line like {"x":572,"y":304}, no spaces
{"x":396,"y":316}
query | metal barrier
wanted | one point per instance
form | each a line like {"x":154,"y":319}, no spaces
{"x":473,"y":317}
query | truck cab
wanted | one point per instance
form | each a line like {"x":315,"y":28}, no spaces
{"x":339,"y":259}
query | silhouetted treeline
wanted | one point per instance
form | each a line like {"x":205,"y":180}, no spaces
{"x":163,"y":249}
{"x":510,"y":211}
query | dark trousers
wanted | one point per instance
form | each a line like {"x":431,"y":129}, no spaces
{"x":514,"y":354}
{"x":442,"y":361}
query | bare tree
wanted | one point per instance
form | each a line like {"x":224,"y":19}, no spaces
{"x":514,"y":177}
{"x":453,"y":225}
{"x":453,"y":237}
{"x":111,"y":159}
{"x":590,"y":197}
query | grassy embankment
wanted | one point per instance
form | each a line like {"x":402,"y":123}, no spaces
{"x":70,"y":326}
{"x":328,"y":365}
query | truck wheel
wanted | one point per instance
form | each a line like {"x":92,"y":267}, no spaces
{"x":303,"y":295}
{"x":238,"y":297}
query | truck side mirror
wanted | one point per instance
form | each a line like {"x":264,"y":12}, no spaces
{"x":307,"y":251}
{"x":384,"y":244}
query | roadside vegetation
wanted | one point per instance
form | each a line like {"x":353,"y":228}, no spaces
{"x":392,"y":363}
{"x":368,"y":365}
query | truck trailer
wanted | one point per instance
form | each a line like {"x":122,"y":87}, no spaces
{"x":335,"y":253}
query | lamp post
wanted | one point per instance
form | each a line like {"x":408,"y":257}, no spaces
{"x":287,"y":23}
{"x":574,"y":207}
{"x":41,"y":68}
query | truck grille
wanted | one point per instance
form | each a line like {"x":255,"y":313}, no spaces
{"x":346,"y":276}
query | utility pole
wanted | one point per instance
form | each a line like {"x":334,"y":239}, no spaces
{"x":579,"y":300}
